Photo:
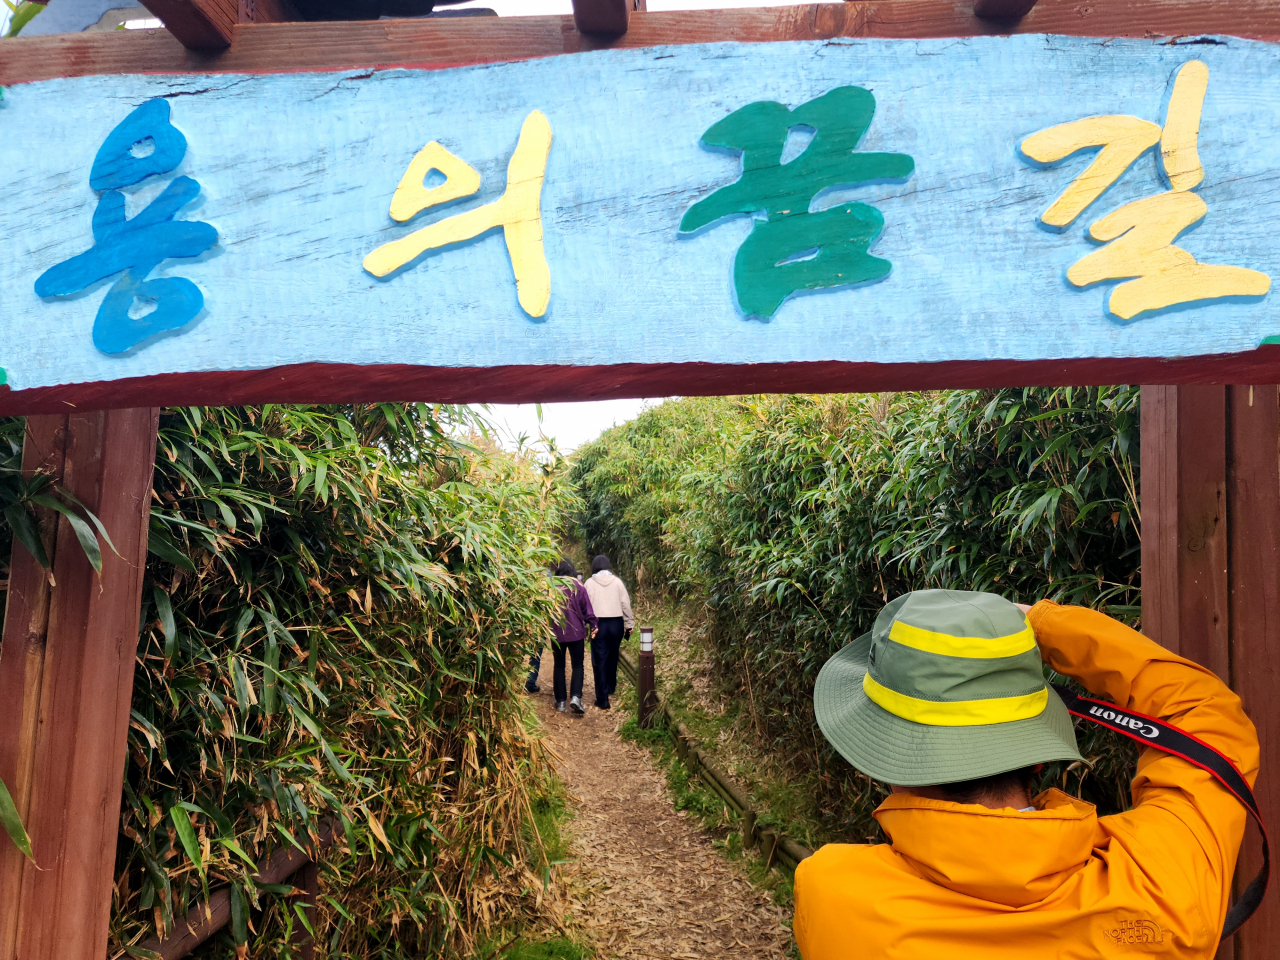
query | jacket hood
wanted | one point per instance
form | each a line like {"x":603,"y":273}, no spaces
{"x":1001,"y":856}
{"x":604,"y":576}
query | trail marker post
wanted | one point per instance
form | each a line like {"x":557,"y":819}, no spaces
{"x":647,"y":690}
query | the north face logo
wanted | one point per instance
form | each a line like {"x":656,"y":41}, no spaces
{"x":1134,"y":933}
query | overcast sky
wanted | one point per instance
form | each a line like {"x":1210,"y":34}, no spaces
{"x":569,"y":424}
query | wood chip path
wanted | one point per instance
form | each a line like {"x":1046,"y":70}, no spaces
{"x":648,"y":883}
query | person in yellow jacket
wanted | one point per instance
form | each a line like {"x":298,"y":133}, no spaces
{"x":945,"y":699}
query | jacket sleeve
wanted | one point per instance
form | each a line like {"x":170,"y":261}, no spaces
{"x":584,"y":607}
{"x":1185,"y":829}
{"x":628,"y":619}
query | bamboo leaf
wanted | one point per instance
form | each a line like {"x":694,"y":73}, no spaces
{"x":164,"y":611}
{"x":93,"y":517}
{"x":12,"y":823}
{"x":22,"y":527}
{"x":162,"y":545}
{"x":84,"y":533}
{"x":190,"y":843}
{"x":239,"y":916}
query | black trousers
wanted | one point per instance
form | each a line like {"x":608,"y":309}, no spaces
{"x":575,"y":655}
{"x":604,"y":657}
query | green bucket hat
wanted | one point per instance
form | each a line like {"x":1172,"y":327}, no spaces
{"x":948,"y":686}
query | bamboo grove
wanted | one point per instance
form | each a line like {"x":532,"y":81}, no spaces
{"x":788,"y":522}
{"x":338,"y":600}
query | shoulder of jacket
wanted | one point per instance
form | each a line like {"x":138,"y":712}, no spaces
{"x":841,"y":863}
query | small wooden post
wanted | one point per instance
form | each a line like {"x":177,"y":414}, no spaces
{"x":648,"y":694}
{"x":307,"y":879}
{"x":66,"y":681}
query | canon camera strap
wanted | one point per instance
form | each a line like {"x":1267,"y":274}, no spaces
{"x":1151,"y":732}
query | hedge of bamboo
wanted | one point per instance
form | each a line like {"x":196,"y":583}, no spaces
{"x":337,"y":604}
{"x":791,"y":520}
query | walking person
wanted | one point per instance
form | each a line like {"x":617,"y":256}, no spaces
{"x":612,"y":606}
{"x":577,"y":620}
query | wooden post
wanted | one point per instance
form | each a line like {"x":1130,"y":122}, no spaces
{"x":1184,"y":529}
{"x":307,"y":880}
{"x":66,"y":681}
{"x":1210,"y":550}
{"x":1253,"y":519}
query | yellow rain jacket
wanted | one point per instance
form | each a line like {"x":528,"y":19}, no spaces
{"x":963,"y":882}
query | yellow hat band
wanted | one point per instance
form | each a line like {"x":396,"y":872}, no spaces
{"x":956,"y":713}
{"x":970,"y":647}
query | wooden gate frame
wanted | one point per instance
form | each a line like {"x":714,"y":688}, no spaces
{"x":1211,"y":487}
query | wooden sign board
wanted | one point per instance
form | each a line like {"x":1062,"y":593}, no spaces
{"x":720,"y":217}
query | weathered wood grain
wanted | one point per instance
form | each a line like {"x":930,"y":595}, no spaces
{"x":1184,"y":544}
{"x":428,"y":44}
{"x":198,"y":24}
{"x":22,"y":659}
{"x":59,"y":910}
{"x":1253,"y":515}
{"x":970,"y":276}
{"x":349,"y":383}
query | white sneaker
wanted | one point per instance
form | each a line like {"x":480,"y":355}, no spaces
{"x":560,"y":705}
{"x":578,"y":708}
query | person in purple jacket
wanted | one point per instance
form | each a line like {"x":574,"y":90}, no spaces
{"x":577,"y":620}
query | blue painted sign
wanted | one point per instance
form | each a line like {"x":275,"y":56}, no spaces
{"x":1028,"y":198}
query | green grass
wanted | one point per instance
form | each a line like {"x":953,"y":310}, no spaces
{"x":557,"y":948}
{"x":549,"y":804}
{"x":560,"y":948}
{"x":550,"y":811}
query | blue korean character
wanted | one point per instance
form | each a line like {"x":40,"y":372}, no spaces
{"x":137,"y":246}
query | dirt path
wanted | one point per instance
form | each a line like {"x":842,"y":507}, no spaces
{"x":649,"y":884}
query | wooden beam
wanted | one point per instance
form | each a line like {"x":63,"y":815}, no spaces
{"x":210,"y":25}
{"x":1253,"y":518}
{"x":353,"y":383}
{"x":283,"y":47}
{"x":198,"y":24}
{"x":63,"y":740}
{"x":207,"y":917}
{"x":607,"y":18}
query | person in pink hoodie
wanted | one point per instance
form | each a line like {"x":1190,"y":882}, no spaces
{"x":612,"y":607}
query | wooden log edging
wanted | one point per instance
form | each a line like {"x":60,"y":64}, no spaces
{"x":205,"y":919}
{"x":777,"y":848}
